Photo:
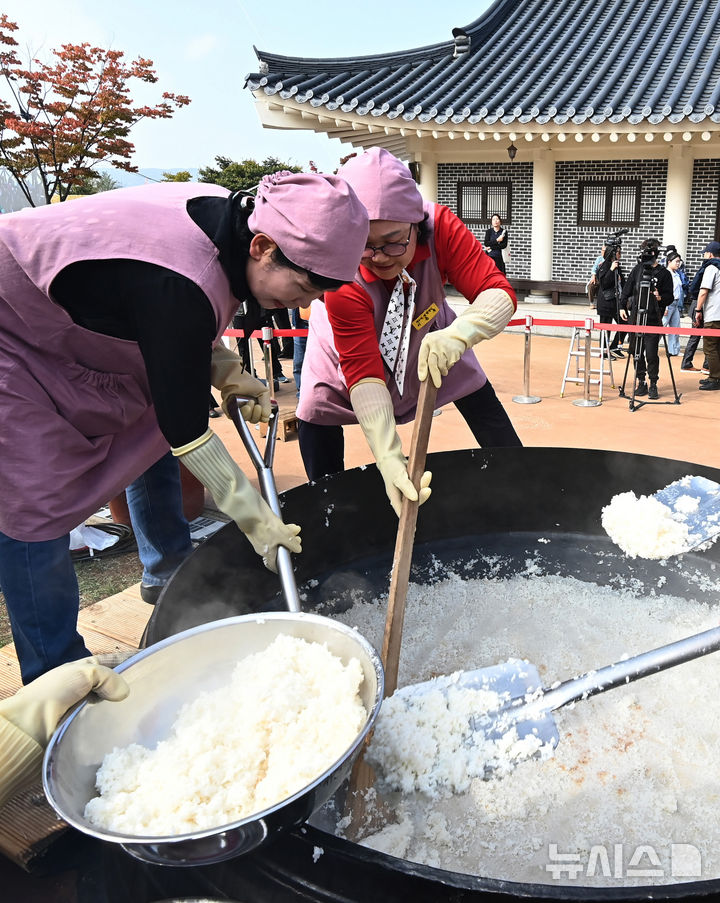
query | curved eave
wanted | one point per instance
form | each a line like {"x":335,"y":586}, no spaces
{"x":583,"y":62}
{"x":568,"y":118}
{"x":406,"y":140}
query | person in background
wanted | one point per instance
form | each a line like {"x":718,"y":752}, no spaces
{"x":300,"y":316}
{"x":240,"y":321}
{"x":29,"y":718}
{"x":592,"y":285}
{"x":711,"y":257}
{"x":370,"y":344}
{"x":707,"y":315}
{"x":610,"y":280}
{"x":685,"y":282}
{"x":659,"y":296}
{"x":214,"y":407}
{"x":111,"y":321}
{"x":673,"y":311}
{"x":282,"y":319}
{"x":496,"y":241}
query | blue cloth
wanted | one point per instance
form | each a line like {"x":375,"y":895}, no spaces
{"x":298,"y":348}
{"x":39,"y":583}
{"x":161,"y":530}
{"x":41,"y":592}
{"x":672,"y":318}
{"x":596,"y":266}
{"x":697,"y":278}
{"x":685,"y":283}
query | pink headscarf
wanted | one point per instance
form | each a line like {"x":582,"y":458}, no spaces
{"x":384,"y":185}
{"x":316,"y":221}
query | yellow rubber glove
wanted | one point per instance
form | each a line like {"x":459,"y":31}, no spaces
{"x":37,"y":708}
{"x":488,"y":315}
{"x":373,"y":408}
{"x":211,"y":463}
{"x":227,"y":375}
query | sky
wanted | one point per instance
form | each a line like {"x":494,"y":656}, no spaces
{"x":205,"y":50}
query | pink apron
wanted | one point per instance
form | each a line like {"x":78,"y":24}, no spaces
{"x":78,"y":420}
{"x":324,"y":397}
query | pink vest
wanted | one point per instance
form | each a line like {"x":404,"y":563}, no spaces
{"x":324,"y":397}
{"x":78,"y":420}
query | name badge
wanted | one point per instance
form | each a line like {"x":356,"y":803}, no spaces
{"x":426,"y":316}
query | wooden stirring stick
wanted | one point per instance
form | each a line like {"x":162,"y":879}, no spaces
{"x":402,"y":559}
{"x":363,"y":776}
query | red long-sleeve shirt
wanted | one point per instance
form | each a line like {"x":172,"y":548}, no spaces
{"x":462,"y":262}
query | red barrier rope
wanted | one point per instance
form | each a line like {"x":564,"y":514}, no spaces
{"x":608,"y":327}
{"x":622,"y":327}
{"x":282,"y":333}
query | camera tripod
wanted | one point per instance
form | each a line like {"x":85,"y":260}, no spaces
{"x":646,"y":304}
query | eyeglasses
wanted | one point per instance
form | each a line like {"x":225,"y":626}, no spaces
{"x":392,"y":249}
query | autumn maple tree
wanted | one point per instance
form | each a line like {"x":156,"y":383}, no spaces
{"x":59,"y":120}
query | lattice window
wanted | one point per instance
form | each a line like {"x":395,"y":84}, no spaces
{"x":477,"y":202}
{"x":608,"y":203}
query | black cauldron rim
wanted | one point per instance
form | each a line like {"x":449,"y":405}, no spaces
{"x":501,"y":886}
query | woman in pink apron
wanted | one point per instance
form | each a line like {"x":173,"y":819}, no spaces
{"x":371,"y":343}
{"x":112,"y":309}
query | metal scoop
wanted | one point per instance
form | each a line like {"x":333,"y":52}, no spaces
{"x":527,"y":706}
{"x":703,"y":520}
{"x":263,"y":465}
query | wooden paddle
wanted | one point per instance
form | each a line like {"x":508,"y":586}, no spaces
{"x":363,"y":776}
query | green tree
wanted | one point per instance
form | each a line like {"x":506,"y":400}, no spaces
{"x":244,"y":175}
{"x":96,"y":183}
{"x":182,"y":176}
{"x":60,"y":120}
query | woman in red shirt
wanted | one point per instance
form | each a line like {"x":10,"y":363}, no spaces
{"x":373,"y":341}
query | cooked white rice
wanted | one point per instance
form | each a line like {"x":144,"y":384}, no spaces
{"x":288,"y":714}
{"x":645,"y":528}
{"x":636,"y":767}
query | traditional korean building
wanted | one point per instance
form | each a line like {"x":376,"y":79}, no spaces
{"x":571,"y":119}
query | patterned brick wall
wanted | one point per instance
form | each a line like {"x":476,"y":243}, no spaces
{"x":520,"y":174}
{"x":703,"y":211}
{"x":576,"y":247}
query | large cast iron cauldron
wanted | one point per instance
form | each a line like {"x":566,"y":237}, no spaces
{"x":496,"y":501}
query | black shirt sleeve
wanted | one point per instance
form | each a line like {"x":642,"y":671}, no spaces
{"x":169,"y":317}
{"x":629,"y":287}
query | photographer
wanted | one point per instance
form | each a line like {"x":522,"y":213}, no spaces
{"x":610,"y":283}
{"x":647,"y":311}
{"x":707,"y":314}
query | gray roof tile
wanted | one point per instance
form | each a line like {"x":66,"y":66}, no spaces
{"x":530,"y":60}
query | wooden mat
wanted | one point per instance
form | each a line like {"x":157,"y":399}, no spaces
{"x":28,"y":824}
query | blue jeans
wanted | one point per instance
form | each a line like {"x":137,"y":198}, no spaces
{"x":672,"y":318}
{"x":161,"y":530}
{"x":41,"y":592}
{"x":39,"y":583}
{"x":298,"y":348}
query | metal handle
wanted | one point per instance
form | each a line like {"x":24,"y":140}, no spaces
{"x":263,"y":465}
{"x":624,"y":672}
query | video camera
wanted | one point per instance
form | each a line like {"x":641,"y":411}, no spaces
{"x":649,"y":252}
{"x":613,"y":243}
